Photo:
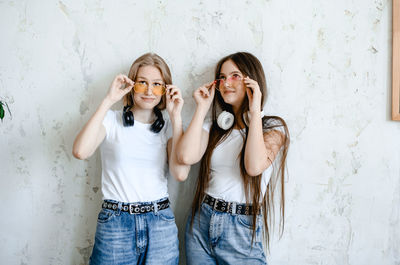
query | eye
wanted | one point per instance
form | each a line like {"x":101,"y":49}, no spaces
{"x":157,"y":84}
{"x":222,"y":78}
{"x":236,"y":77}
{"x":142,"y":82}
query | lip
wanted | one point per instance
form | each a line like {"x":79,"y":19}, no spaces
{"x":148,"y":99}
{"x":228,"y":92}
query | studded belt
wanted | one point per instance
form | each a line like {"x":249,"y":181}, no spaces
{"x":136,"y":208}
{"x":228,"y":207}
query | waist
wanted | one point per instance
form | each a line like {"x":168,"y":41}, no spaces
{"x":230,"y":207}
{"x":136,"y":207}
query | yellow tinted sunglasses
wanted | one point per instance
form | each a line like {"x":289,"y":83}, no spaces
{"x":157,"y":89}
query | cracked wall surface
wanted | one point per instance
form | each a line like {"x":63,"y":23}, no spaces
{"x":328,"y":69}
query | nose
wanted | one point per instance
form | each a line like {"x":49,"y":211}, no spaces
{"x":149,"y":91}
{"x":227,"y":82}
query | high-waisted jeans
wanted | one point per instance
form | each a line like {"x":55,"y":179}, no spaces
{"x":147,"y":238}
{"x":223,"y":238}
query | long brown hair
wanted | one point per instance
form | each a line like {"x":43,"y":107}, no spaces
{"x":151,"y":59}
{"x":250,"y":66}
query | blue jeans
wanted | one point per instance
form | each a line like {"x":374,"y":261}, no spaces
{"x":147,"y":238}
{"x":223,"y":238}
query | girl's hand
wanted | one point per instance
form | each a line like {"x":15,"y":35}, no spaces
{"x":174,"y":101}
{"x":204,"y":95}
{"x":254,"y":94}
{"x":119,"y":88}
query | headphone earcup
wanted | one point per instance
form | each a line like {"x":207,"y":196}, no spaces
{"x":225,"y":120}
{"x":127,"y":117}
{"x":159,"y":123}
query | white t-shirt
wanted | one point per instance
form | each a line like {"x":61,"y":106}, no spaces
{"x":134,"y":160}
{"x":226,"y":183}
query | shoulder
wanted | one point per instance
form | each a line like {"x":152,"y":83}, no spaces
{"x":274,"y":129}
{"x":114,"y":116}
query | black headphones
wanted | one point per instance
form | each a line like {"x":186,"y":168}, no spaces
{"x":128,"y":119}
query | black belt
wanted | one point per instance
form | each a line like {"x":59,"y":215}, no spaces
{"x":227,"y":207}
{"x":136,"y":208}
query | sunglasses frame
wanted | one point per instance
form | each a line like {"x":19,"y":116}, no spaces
{"x":217,"y":81}
{"x":164,"y":91}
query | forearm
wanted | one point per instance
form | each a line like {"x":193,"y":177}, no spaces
{"x":178,"y":170}
{"x":256,"y":154}
{"x":189,"y":146}
{"x":87,"y":140}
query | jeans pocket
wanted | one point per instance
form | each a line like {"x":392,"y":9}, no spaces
{"x":247,"y":221}
{"x":166,"y":215}
{"x":105,"y":215}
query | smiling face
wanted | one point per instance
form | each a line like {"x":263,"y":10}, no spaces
{"x":232,"y":88}
{"x":150,"y":76}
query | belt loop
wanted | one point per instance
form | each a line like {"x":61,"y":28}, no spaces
{"x":155,"y":208}
{"x":233,"y":207}
{"x":215,"y":204}
{"x":119,"y":208}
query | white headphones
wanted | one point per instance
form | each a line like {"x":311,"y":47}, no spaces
{"x":225,"y":119}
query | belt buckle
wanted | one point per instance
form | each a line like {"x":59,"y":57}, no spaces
{"x":131,"y":208}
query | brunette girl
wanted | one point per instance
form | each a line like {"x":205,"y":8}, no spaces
{"x":243,"y":157}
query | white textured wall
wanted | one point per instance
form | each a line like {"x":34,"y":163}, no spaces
{"x":328,"y":70}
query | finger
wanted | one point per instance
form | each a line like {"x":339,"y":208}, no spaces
{"x":249,"y":93}
{"x":127,"y":80}
{"x":130,"y":82}
{"x":128,"y":88}
{"x":205,"y":91}
{"x":174,"y":91}
{"x":118,"y":80}
{"x":121,"y":81}
{"x":171,"y":87}
{"x":212,"y":89}
{"x":250,"y":82}
{"x":176,"y":98}
{"x":248,"y":78}
{"x":209,"y":85}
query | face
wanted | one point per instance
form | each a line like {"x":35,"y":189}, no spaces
{"x":150,"y":76}
{"x":231,"y":84}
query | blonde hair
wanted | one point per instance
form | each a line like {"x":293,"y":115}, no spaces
{"x":149,"y":59}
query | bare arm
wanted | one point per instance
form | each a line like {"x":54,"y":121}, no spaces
{"x":93,"y":133}
{"x":174,"y":108}
{"x":261,"y":148}
{"x":193,"y":143}
{"x":178,"y":170}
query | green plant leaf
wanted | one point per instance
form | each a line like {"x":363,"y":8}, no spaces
{"x":1,"y":112}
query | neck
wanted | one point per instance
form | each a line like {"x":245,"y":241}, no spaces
{"x":143,"y":115}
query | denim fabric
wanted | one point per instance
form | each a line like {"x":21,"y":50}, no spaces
{"x":223,"y":238}
{"x":123,"y":238}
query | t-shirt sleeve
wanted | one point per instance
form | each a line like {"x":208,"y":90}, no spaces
{"x":109,"y":121}
{"x":207,"y":125}
{"x":270,"y":124}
